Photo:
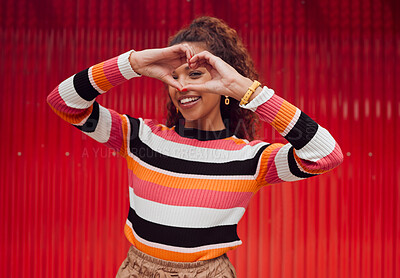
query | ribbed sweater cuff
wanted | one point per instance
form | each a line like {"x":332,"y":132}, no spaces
{"x":125,"y":65}
{"x":274,"y":110}
{"x":261,"y":98}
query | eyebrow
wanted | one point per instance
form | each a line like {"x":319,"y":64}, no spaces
{"x":186,"y":68}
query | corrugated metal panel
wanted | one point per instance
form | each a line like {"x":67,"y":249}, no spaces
{"x":64,"y":198}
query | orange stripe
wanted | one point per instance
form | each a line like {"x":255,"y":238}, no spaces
{"x":315,"y":171}
{"x":124,"y":123}
{"x":190,"y":183}
{"x":236,"y":140}
{"x":100,"y":78}
{"x":163,"y":127}
{"x":174,"y":256}
{"x":284,"y":116}
{"x":264,"y":163}
{"x":74,"y":119}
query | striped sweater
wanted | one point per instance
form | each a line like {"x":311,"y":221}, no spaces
{"x":189,"y":188}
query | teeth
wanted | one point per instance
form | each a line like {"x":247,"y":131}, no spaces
{"x":186,"y":100}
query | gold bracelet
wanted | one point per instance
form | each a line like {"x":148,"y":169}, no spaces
{"x":250,"y":91}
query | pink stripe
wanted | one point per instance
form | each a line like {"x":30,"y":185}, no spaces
{"x":116,"y":135}
{"x":188,"y":197}
{"x":171,"y":135}
{"x":55,"y":100}
{"x":268,"y":110}
{"x":272,"y":174}
{"x":326,"y":163}
{"x":255,"y":142}
{"x":112,"y":73}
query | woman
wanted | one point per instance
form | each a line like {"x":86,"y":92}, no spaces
{"x":191,"y":180}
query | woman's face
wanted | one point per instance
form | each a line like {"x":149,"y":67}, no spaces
{"x":200,"y":110}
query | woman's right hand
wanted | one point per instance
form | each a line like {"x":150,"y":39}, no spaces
{"x":161,"y":62}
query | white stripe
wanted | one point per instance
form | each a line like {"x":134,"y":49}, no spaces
{"x":103,"y":128}
{"x":261,"y":98}
{"x":183,"y":216}
{"x":282,"y":164}
{"x":90,"y":73}
{"x":70,"y":96}
{"x":193,"y":153}
{"x":292,"y":122}
{"x":186,"y":250}
{"x":321,"y":145}
{"x":125,"y":67}
{"x":188,"y":176}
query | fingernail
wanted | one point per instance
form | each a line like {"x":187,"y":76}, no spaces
{"x":184,"y":90}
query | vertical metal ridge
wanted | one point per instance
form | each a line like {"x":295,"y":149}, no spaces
{"x":64,"y":197}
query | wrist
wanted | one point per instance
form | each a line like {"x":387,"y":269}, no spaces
{"x":133,"y":60}
{"x":256,"y":93}
{"x":240,"y":87}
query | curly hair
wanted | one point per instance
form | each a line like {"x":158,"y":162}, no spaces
{"x":224,"y":42}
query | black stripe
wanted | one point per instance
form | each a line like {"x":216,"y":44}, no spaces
{"x":91,"y":123}
{"x":83,"y":86}
{"x":302,"y":132}
{"x":201,"y":135}
{"x":135,"y":125}
{"x":169,"y":163}
{"x":293,"y":166}
{"x":181,"y":237}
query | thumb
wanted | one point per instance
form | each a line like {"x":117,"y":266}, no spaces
{"x":169,"y":80}
{"x":201,"y":88}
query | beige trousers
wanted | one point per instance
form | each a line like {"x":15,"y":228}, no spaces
{"x":138,"y":264}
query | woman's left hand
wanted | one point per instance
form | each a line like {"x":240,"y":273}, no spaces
{"x":225,"y":79}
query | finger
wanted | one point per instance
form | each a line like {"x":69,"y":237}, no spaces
{"x":209,"y":87}
{"x":188,"y":50}
{"x":172,"y":82}
{"x":200,"y":64}
{"x":207,"y":60}
{"x":192,"y":53}
{"x":213,"y":64}
{"x":182,"y":50}
{"x":205,"y":56}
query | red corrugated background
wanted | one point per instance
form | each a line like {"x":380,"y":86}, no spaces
{"x":64,"y":197}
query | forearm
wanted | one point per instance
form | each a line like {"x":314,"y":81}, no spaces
{"x":311,"y":146}
{"x":74,"y":100}
{"x":76,"y":94}
{"x":240,"y":86}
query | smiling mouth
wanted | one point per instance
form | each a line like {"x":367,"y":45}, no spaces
{"x":189,"y":100}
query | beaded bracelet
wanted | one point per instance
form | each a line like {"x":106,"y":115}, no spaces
{"x":250,"y":91}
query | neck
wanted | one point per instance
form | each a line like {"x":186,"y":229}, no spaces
{"x":207,"y":125}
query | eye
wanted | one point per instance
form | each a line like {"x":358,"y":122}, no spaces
{"x":195,"y":74}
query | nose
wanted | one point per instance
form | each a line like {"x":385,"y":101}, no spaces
{"x":181,"y":79}
{"x":184,"y":91}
